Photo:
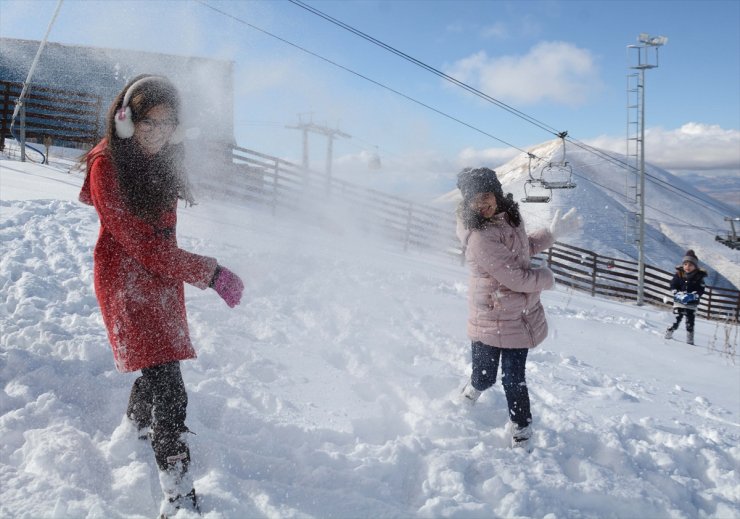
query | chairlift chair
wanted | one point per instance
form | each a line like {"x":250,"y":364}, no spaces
{"x":374,"y":160}
{"x":731,"y":240}
{"x":535,"y":190}
{"x":558,"y":175}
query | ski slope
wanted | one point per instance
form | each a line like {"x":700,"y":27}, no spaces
{"x":330,"y":392}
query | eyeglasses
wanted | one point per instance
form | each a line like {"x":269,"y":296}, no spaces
{"x":148,"y":125}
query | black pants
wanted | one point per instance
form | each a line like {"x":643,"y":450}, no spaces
{"x":158,"y":400}
{"x":690,"y":315}
{"x":513,"y":363}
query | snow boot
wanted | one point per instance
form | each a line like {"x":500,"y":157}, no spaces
{"x":521,"y":437}
{"x":469,"y":394}
{"x":139,"y":409}
{"x":188,"y":502}
{"x":179,"y":494}
{"x":668,"y":333}
{"x":690,"y":338}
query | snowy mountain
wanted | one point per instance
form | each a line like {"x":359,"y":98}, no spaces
{"x":674,"y":222}
{"x":331,"y":391}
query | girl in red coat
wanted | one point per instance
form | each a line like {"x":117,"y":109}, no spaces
{"x":134,"y":179}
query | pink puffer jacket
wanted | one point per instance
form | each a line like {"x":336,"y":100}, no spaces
{"x":504,"y":290}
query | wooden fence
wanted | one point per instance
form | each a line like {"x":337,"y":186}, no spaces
{"x":283,"y":185}
{"x":617,"y":278}
{"x":65,"y":116}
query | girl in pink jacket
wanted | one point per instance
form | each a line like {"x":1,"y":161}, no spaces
{"x":506,"y":317}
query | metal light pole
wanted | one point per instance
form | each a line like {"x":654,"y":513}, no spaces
{"x":644,"y":62}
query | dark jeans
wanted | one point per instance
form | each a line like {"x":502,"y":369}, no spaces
{"x":513,"y":363}
{"x":690,"y":315}
{"x":158,"y":400}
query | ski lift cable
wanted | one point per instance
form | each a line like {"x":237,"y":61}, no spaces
{"x":684,"y":222}
{"x":427,"y":67}
{"x":711,"y":230}
{"x":259,"y":123}
{"x":652,"y":178}
{"x":622,"y":195}
{"x":672,"y":188}
{"x":358,"y":74}
{"x":451,"y":79}
{"x":584,"y":146}
{"x":477,"y":92}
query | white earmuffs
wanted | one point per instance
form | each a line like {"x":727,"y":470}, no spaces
{"x":124,"y":122}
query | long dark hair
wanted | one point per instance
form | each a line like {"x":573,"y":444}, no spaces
{"x":473,"y":220}
{"x":150,"y":184}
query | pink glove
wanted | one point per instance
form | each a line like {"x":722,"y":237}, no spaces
{"x":228,"y":286}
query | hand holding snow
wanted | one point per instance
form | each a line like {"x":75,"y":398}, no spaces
{"x":569,"y":223}
{"x":686,"y":299}
{"x":229,"y":286}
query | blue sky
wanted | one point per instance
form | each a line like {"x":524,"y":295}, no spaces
{"x":561,"y":62}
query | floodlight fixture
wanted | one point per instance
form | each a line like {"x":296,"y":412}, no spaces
{"x":653,"y":41}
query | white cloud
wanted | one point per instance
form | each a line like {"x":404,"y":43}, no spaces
{"x":490,"y":157}
{"x":498,"y":30}
{"x":552,"y":71}
{"x":693,"y":146}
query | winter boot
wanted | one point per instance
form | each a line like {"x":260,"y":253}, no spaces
{"x":469,"y":394}
{"x":139,"y":409}
{"x":521,"y":437}
{"x":668,"y":333}
{"x":179,"y":494}
{"x":690,"y":337}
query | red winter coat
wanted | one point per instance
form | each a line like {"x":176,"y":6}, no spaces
{"x":504,"y":290}
{"x":139,"y":274}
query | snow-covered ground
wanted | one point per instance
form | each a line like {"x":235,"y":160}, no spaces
{"x":331,"y":391}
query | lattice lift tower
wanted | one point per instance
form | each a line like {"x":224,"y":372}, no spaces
{"x":330,"y":133}
{"x":646,"y":56}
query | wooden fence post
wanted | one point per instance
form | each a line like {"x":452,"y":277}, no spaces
{"x":23,"y":132}
{"x":5,"y":115}
{"x":407,"y":237}
{"x":593,"y":274}
{"x":275,"y":188}
{"x":99,"y":109}
{"x":709,"y":303}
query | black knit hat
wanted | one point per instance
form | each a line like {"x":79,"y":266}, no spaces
{"x":690,"y":256}
{"x":480,"y":180}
